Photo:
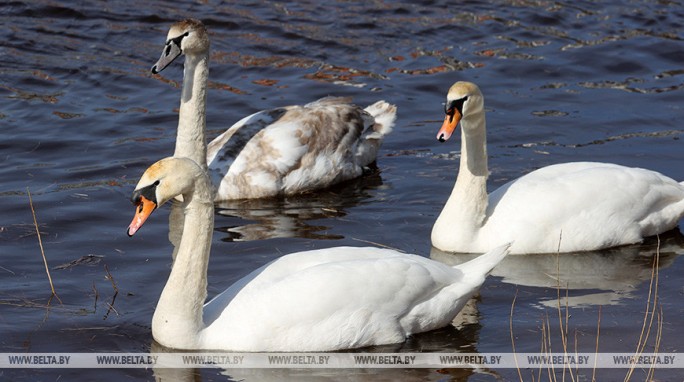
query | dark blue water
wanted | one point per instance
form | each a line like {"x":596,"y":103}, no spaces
{"x":81,"y":117}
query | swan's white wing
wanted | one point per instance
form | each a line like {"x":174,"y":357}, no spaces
{"x":337,"y":298}
{"x":582,"y":206}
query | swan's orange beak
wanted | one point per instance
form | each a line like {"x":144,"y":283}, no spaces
{"x":143,"y":209}
{"x":450,"y":122}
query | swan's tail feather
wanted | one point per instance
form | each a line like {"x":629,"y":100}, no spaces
{"x":384,"y":115}
{"x":483,"y":264}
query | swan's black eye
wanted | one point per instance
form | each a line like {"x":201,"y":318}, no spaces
{"x":454,"y":105}
{"x":176,"y":41}
{"x":149,"y":192}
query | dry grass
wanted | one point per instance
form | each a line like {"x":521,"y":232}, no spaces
{"x":653,"y":311}
{"x":116,"y":293}
{"x":35,"y":304}
{"x":652,"y":325}
{"x":598,"y":334}
{"x":510,"y":327}
{"x":23,"y":302}
{"x":42,"y":251}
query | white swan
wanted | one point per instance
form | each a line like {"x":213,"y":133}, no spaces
{"x":283,"y":151}
{"x":328,"y":299}
{"x":568,"y":207}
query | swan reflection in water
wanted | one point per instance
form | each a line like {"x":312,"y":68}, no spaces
{"x":463,"y":337}
{"x":282,"y":217}
{"x":289,"y":216}
{"x":605,"y":277}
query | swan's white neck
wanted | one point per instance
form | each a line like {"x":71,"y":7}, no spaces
{"x":465,"y":211}
{"x":177,"y":320}
{"x":190,"y":141}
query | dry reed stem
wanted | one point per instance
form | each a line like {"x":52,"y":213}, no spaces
{"x":510,"y":329}
{"x":547,"y":346}
{"x":651,"y":370}
{"x":97,"y":295}
{"x":567,"y":330}
{"x":42,"y":251}
{"x":24,"y":303}
{"x":659,"y":337}
{"x":111,"y":308}
{"x":598,"y":331}
{"x":563,"y":326}
{"x":576,"y":356}
{"x":116,"y":293}
{"x":649,"y":314}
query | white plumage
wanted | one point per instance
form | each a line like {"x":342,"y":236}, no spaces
{"x":565,"y":207}
{"x":320,"y":300}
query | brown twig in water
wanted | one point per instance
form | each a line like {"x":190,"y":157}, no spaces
{"x":42,"y":252}
{"x":116,"y":293}
{"x":111,"y":279}
{"x":111,"y":308}
{"x":97,"y":295}
{"x":24,"y":303}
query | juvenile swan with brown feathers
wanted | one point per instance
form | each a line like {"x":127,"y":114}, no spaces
{"x":282,"y":151}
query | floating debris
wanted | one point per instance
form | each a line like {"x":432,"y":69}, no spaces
{"x":84,"y":260}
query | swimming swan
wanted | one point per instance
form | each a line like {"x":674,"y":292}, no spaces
{"x":282,"y":151}
{"x":320,"y":300}
{"x":564,"y":207}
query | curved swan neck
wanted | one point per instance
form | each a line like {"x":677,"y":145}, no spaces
{"x":470,"y":190}
{"x":465,"y":211}
{"x":178,"y":320}
{"x":474,"y":146}
{"x":190,"y":141}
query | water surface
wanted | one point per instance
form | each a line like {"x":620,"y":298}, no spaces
{"x":81,"y":118}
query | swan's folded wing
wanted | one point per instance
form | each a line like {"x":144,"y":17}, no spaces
{"x":297,"y":149}
{"x":583,"y":206}
{"x":337,"y":298}
{"x":222,"y":151}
